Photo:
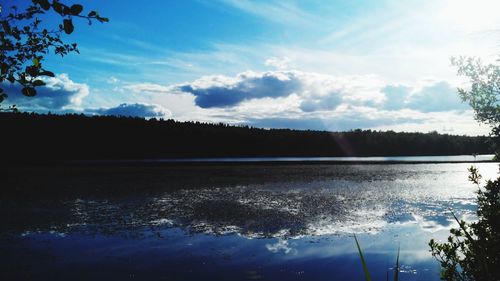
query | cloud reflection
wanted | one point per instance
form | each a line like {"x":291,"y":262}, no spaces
{"x":359,"y":199}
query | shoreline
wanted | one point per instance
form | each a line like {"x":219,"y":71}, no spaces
{"x":159,"y":164}
{"x":229,"y":162}
{"x":257,"y":161}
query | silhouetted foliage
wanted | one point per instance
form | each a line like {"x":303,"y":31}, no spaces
{"x":24,"y":41}
{"x":472,"y":250}
{"x":47,"y":137}
{"x":484,"y":94}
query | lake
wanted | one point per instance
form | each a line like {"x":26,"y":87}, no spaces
{"x":251,"y":221}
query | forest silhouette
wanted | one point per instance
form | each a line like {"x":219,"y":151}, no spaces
{"x":50,"y":137}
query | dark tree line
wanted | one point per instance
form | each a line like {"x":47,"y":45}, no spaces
{"x":76,"y":137}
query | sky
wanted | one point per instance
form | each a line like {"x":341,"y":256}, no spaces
{"x":320,"y":65}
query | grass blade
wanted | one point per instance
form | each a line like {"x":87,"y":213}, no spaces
{"x":363,"y":262}
{"x":396,"y":270}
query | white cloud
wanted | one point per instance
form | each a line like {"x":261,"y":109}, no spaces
{"x":308,"y":100}
{"x":434,"y":96}
{"x":134,"y":110}
{"x":59,"y":93}
{"x":440,"y":96}
{"x":223,"y":91}
{"x":278,"y":63}
{"x":280,"y":246}
{"x":317,"y":92}
{"x":147,"y":87}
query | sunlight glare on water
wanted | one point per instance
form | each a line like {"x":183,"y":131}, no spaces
{"x":299,"y":217}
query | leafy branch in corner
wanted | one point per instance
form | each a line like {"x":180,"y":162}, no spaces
{"x":471,"y":251}
{"x":24,"y":41}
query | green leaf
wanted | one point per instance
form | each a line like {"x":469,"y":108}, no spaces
{"x":68,"y":26}
{"x":38,"y":83}
{"x":32,"y":71}
{"x":76,"y":9}
{"x":47,"y":73}
{"x":66,"y":10}
{"x":36,"y":63}
{"x":44,"y":4}
{"x":57,"y":7}
{"x":29,"y":91}
{"x":363,"y":262}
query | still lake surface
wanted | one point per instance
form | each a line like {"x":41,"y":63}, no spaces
{"x":233,"y":222}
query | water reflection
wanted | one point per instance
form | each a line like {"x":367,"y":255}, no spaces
{"x":342,"y":204}
{"x":205,"y":224}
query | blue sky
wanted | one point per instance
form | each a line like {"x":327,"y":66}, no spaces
{"x":333,"y":65}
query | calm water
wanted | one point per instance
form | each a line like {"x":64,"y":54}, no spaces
{"x":245,"y":222}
